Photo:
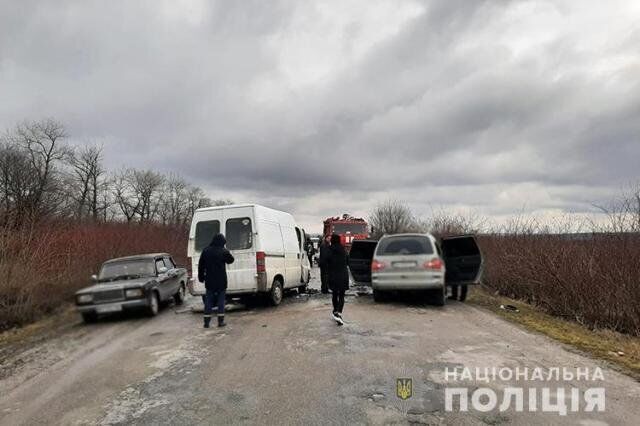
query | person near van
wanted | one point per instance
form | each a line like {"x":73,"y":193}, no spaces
{"x":338,"y":276}
{"x":212,"y":271}
{"x":310,"y":252}
{"x":463,"y":292}
{"x":322,"y":263}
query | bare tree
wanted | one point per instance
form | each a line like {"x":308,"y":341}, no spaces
{"x":392,"y":217}
{"x":623,"y":213}
{"x":442,"y":223}
{"x":87,"y":179}
{"x":173,"y":209}
{"x":42,"y":141}
{"x":138,"y":194}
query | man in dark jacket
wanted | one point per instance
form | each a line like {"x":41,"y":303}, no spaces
{"x":212,"y":271}
{"x":336,"y":260}
{"x":322,"y":263}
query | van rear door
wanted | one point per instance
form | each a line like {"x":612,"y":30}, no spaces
{"x":463,"y":260}
{"x":360,"y":258}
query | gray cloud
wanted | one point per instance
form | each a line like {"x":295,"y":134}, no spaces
{"x":321,"y":108}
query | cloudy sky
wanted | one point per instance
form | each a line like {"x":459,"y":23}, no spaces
{"x":320,"y":107}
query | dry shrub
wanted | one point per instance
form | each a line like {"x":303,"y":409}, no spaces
{"x":593,"y":279}
{"x":41,"y":266}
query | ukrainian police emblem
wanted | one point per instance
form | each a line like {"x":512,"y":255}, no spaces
{"x":404,"y":388}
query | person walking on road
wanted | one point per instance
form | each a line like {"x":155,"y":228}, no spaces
{"x":212,"y":271}
{"x":338,"y":276}
{"x":322,"y":263}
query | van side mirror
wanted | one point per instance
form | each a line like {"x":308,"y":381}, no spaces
{"x":94,"y":278}
{"x":162,"y":270}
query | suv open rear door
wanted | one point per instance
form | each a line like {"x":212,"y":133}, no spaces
{"x":463,"y":260}
{"x":360,"y":258}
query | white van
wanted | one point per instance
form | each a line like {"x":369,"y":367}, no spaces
{"x":267,"y":245}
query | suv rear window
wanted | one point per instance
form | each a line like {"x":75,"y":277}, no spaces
{"x":205,"y":231}
{"x":239,"y":233}
{"x":405,"y":245}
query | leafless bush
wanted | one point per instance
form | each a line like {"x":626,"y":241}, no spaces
{"x":392,"y":217}
{"x":43,"y":264}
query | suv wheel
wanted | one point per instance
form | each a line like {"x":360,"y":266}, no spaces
{"x":276,"y":293}
{"x":153,"y":305}
{"x":179,"y":296}
{"x":440,"y":296}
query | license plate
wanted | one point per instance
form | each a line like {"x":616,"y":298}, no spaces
{"x":404,"y":264}
{"x":108,"y":309}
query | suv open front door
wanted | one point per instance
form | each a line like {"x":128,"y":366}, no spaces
{"x":463,"y":260}
{"x":360,"y":258}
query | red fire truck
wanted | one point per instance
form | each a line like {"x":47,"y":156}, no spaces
{"x":348,"y":227}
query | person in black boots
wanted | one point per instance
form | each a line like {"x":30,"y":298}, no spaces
{"x":212,"y":271}
{"x":338,"y":276}
{"x":322,"y":263}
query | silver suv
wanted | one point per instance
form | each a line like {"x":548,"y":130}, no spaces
{"x":408,"y":262}
{"x":416,"y":262}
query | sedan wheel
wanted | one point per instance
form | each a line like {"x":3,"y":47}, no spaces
{"x":179,"y":296}
{"x":154,"y":304}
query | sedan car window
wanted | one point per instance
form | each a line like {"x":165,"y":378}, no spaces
{"x":159,"y":264}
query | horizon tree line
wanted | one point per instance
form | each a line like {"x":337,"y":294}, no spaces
{"x":42,"y":176}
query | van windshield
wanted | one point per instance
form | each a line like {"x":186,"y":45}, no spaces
{"x":239,"y":233}
{"x":205,"y":232}
{"x":404,"y":245}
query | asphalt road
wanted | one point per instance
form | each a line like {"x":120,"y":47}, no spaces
{"x":292,"y":365}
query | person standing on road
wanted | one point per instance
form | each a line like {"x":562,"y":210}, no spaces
{"x":338,"y":276}
{"x":310,"y":252}
{"x":322,"y":263}
{"x":212,"y":271}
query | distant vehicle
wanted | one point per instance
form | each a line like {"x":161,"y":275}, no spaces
{"x":349,"y":229}
{"x":267,"y":244}
{"x":409,"y":262}
{"x":140,"y":282}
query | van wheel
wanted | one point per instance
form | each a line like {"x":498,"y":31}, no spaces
{"x":378,"y":296}
{"x":154,"y":304}
{"x":440,"y":296}
{"x":178,"y":298}
{"x":463,"y":293}
{"x":275,"y":295}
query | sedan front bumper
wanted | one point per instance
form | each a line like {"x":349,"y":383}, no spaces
{"x":107,"y":308}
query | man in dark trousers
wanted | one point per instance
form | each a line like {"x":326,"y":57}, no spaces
{"x":212,"y":271}
{"x":324,"y":271}
{"x":338,"y":276}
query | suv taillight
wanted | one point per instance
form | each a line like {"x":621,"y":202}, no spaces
{"x":260,"y":267}
{"x":433,"y":265}
{"x":376,"y":265}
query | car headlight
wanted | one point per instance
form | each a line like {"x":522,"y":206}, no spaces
{"x":133,"y":293}
{"x":85,"y":298}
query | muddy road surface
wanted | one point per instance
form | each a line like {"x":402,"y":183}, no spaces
{"x":293,"y":365}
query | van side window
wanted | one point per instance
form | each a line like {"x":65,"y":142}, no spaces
{"x":239,"y":233}
{"x":205,"y":231}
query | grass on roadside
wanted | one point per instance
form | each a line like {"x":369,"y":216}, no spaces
{"x":622,"y":351}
